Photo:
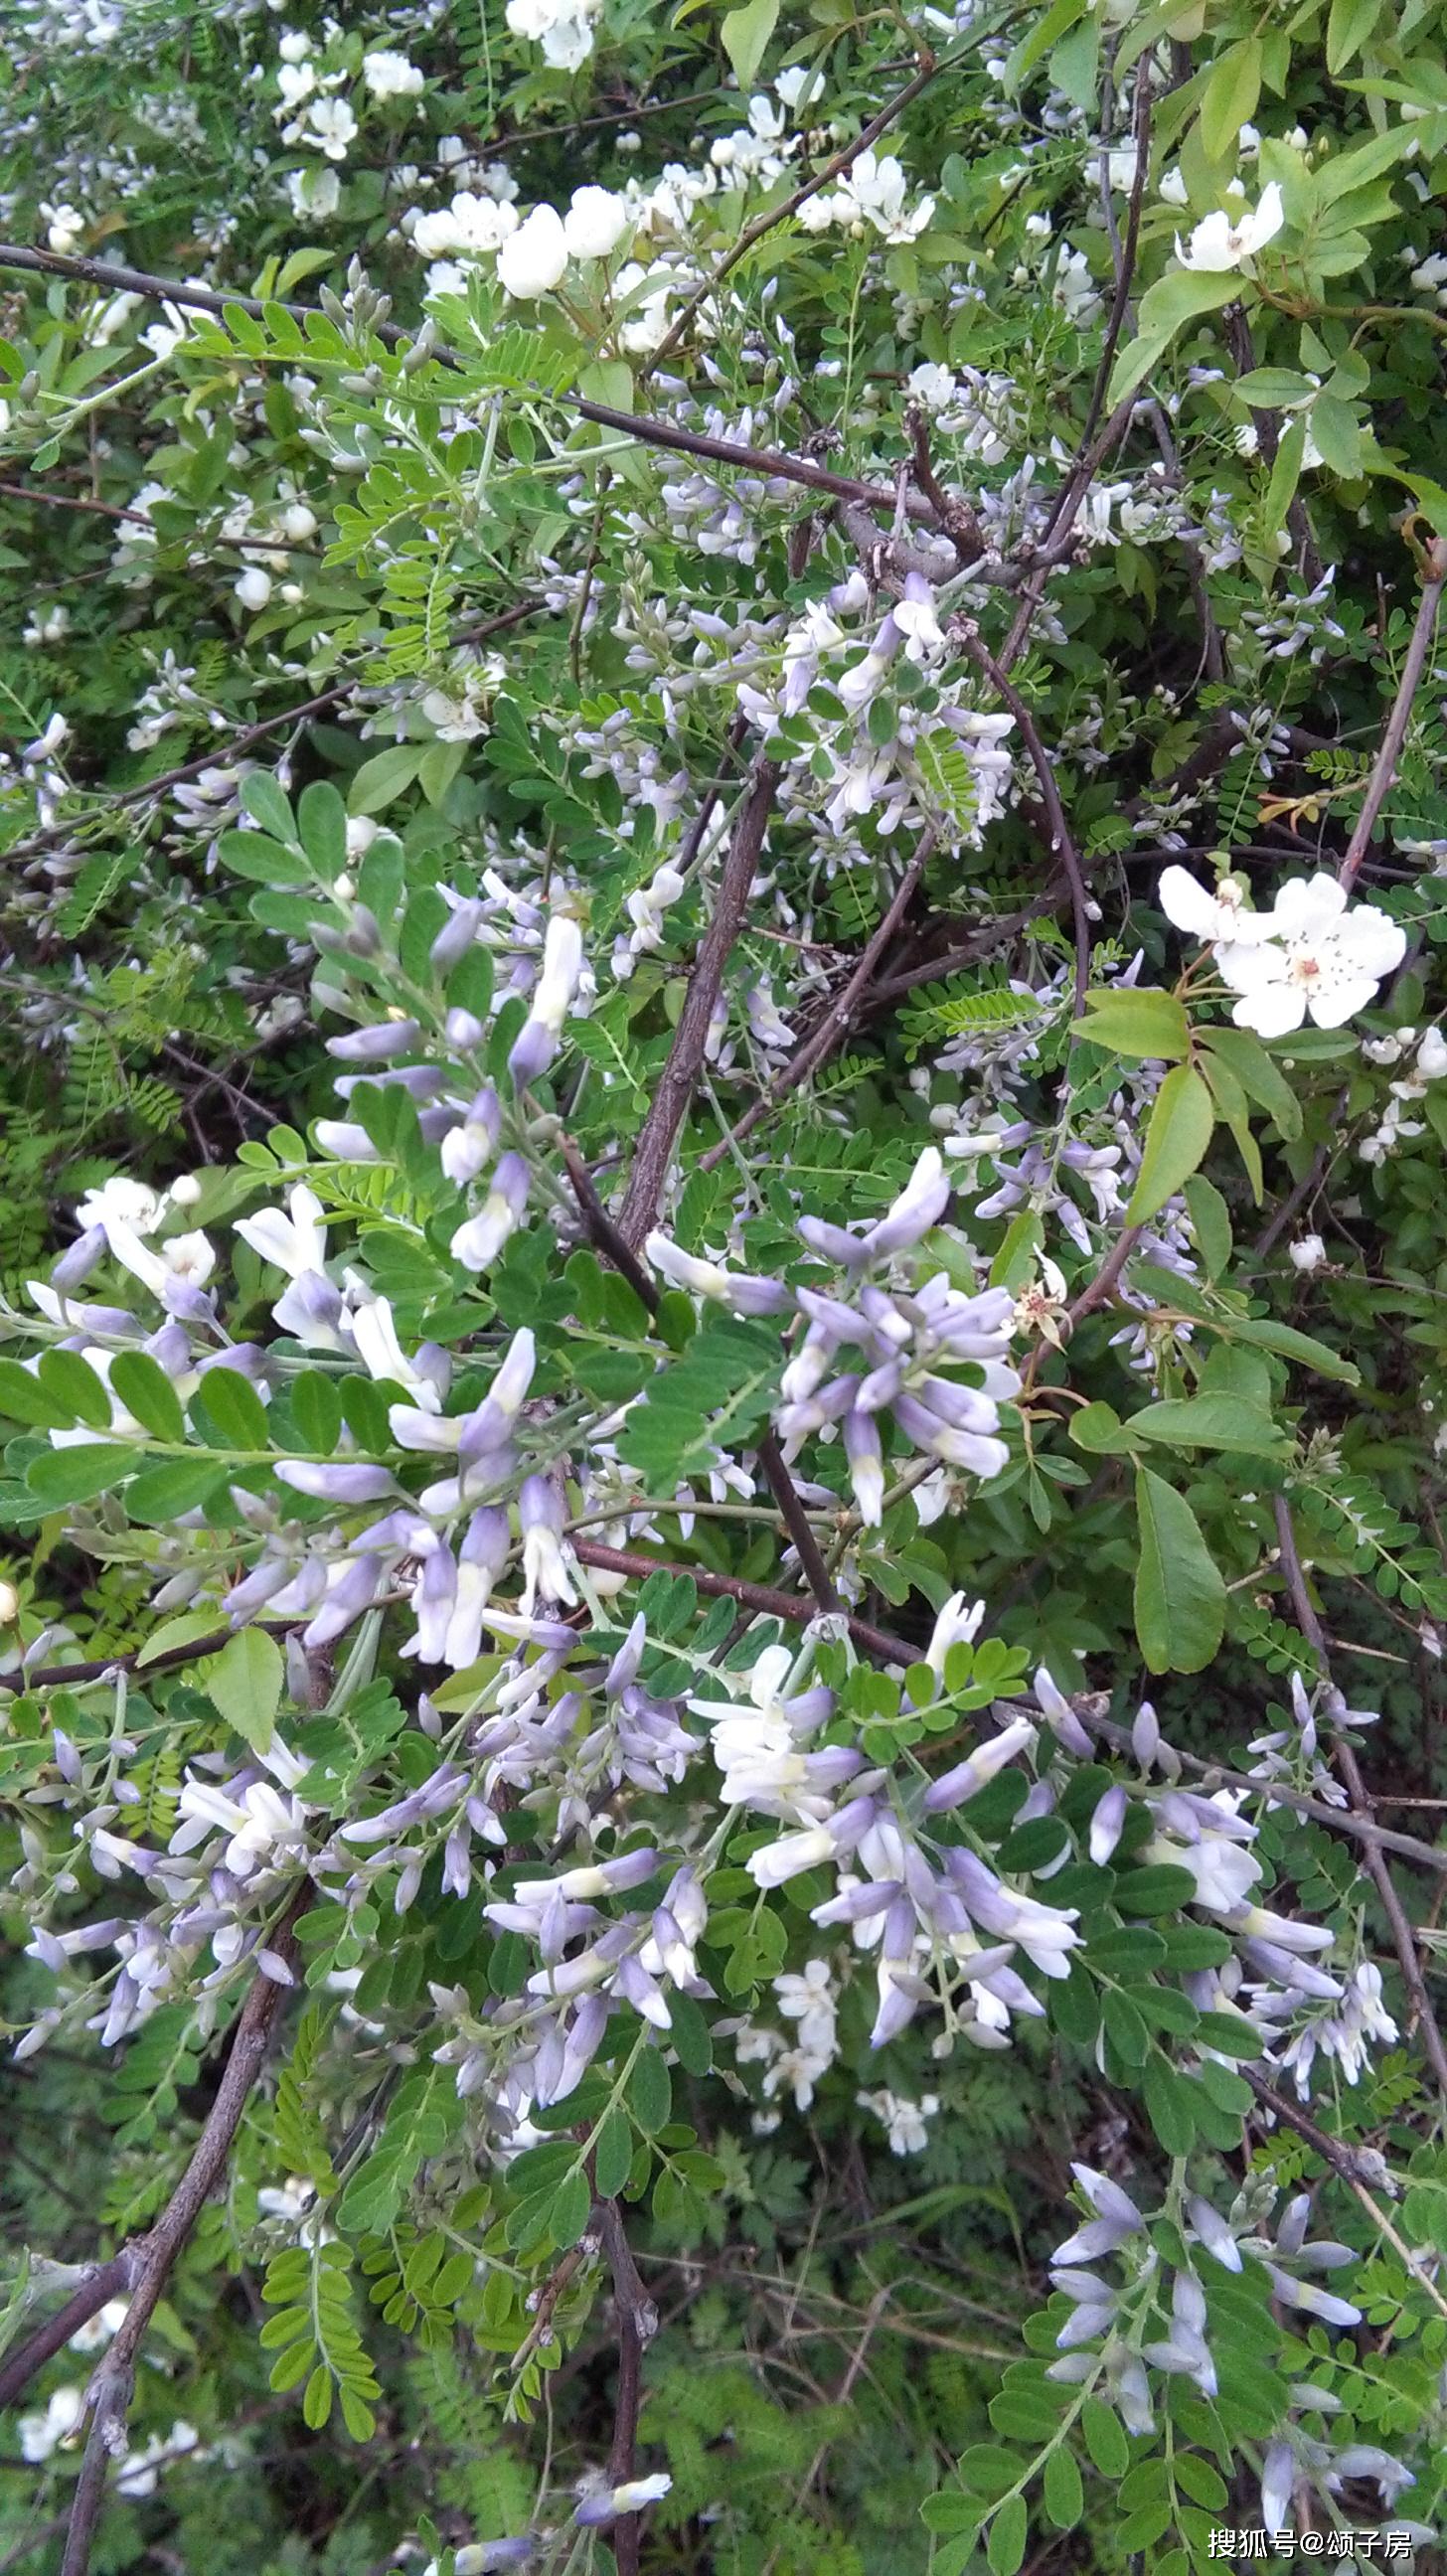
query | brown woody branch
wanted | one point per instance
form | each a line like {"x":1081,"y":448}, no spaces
{"x":142,"y":2269}
{"x":1384,"y":768}
{"x":654,"y":1149}
{"x":760,"y":1597}
{"x":818,"y":1048}
{"x":608,"y":1239}
{"x":1341,"y":1820}
{"x":637,"y":2319}
{"x":109,"y":2394}
{"x":650,"y":432}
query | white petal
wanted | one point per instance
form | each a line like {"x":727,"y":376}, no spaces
{"x":1187,"y":904}
{"x":1273,"y":1011}
{"x":1305,"y":907}
{"x":1338,"y":998}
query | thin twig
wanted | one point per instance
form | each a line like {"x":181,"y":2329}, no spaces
{"x":1057,"y":548}
{"x":232,"y":746}
{"x":1341,"y":1820}
{"x":967,"y":635}
{"x":1356,"y":2167}
{"x":1125,"y":270}
{"x":821,"y":1045}
{"x":1099,"y":1289}
{"x":650,"y":432}
{"x":953,"y":512}
{"x":608,"y":1239}
{"x":637,"y":2325}
{"x":68,"y":1676}
{"x":1351,"y":2164}
{"x":1403,"y":1934}
{"x":759,"y":1597}
{"x":1385,"y":767}
{"x":109,"y":2394}
{"x":654,"y":1149}
{"x":103,"y":2282}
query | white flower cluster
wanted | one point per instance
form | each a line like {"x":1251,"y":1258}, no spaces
{"x":871,"y":197}
{"x":532,"y":252}
{"x":564,"y":29}
{"x":1311,"y":956}
{"x":1397,"y":1126}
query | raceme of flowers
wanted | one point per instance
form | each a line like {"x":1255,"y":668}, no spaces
{"x":469,"y":1715}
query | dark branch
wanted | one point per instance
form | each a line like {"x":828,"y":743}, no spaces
{"x":654,"y":1149}
{"x":1385,"y":767}
{"x":760,"y":1597}
{"x":818,"y":1048}
{"x":1403,"y":1935}
{"x":1062,"y":842}
{"x":109,"y":2394}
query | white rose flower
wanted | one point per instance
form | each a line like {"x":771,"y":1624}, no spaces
{"x":1319,"y":961}
{"x":595,"y":223}
{"x":532,"y":259}
{"x":1223,"y":241}
{"x":389,"y":75}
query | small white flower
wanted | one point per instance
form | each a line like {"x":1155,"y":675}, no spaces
{"x":1223,"y":241}
{"x":1173,"y":190}
{"x":390,"y":75}
{"x":1307,"y":1253}
{"x":315,"y":192}
{"x":295,"y":1243}
{"x":532,"y":259}
{"x":42,"y":2434}
{"x":799,"y":88}
{"x":120,"y":1201}
{"x":331,"y":126}
{"x":65,"y":229}
{"x":563,"y":28}
{"x":594,"y":223}
{"x":254,"y":587}
{"x":934,"y":386}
